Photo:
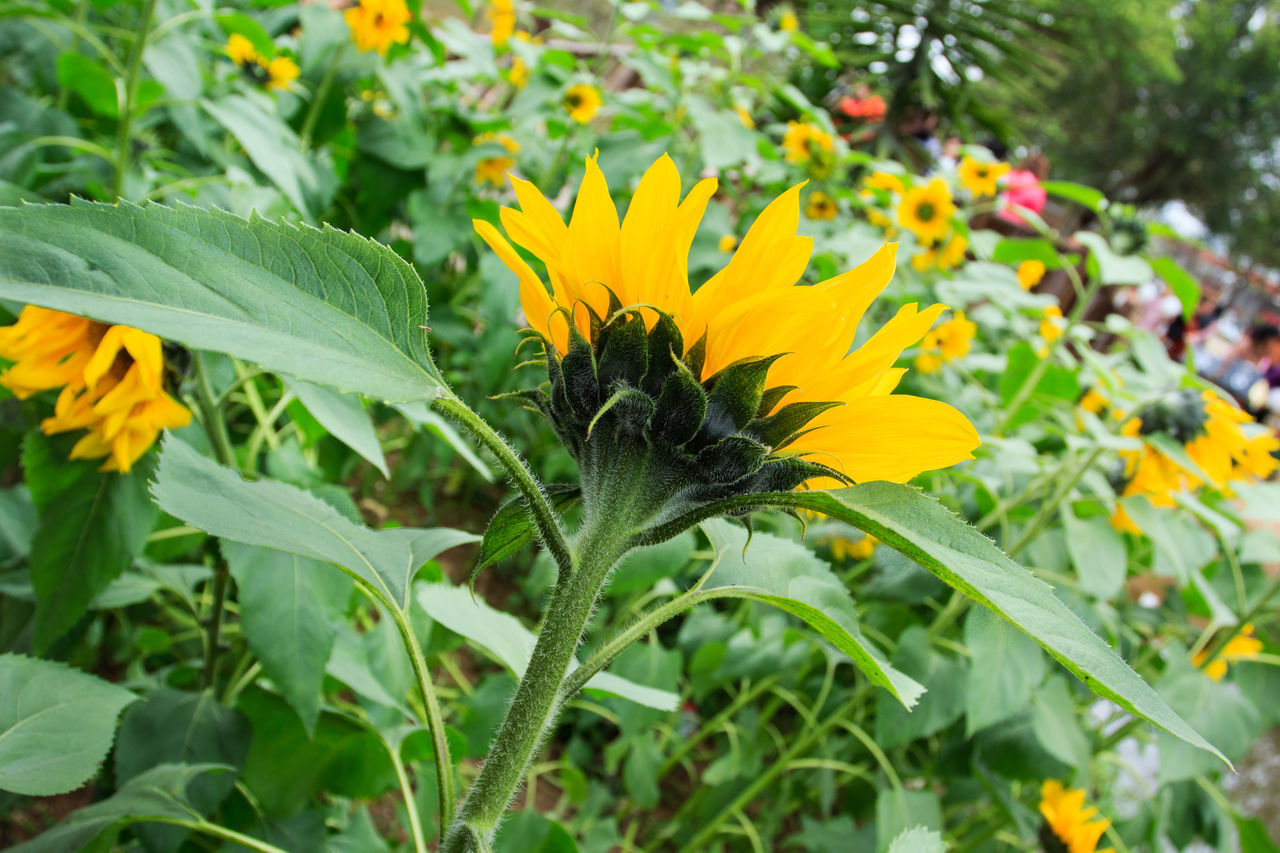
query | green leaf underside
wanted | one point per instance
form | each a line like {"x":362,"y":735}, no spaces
{"x":56,"y":725}
{"x":788,"y":576}
{"x":318,"y":305}
{"x":276,"y":515}
{"x":158,"y":793}
{"x":512,"y":643}
{"x":933,"y":536}
{"x":344,"y":418}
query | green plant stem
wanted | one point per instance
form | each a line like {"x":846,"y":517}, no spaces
{"x":705,"y":730}
{"x":216,"y":831}
{"x":322,"y":92}
{"x":1032,"y":379}
{"x":434,"y":719}
{"x":1249,"y":615}
{"x":132,"y":66}
{"x":765,"y":779}
{"x":1049,"y":507}
{"x":543,"y":689}
{"x":550,"y":531}
{"x":410,"y":802}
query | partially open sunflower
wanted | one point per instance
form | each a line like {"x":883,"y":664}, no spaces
{"x":747,"y":383}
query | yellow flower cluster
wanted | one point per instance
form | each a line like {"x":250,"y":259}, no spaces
{"x":940,"y":256}
{"x":493,"y":170}
{"x":803,"y":141}
{"x":582,"y":102}
{"x":1077,"y":826}
{"x":1241,"y":647}
{"x":946,"y":342}
{"x":1030,"y":273}
{"x":378,"y":24}
{"x":112,"y":381}
{"x":276,"y":74}
{"x":981,"y":178}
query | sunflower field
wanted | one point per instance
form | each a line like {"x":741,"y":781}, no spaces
{"x":621,"y":426}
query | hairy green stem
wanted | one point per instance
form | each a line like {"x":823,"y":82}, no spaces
{"x":550,"y":531}
{"x":410,"y":803}
{"x":130,"y":83}
{"x":541,"y":691}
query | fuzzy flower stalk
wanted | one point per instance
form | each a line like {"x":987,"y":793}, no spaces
{"x":681,"y":404}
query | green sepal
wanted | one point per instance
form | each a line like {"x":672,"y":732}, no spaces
{"x":581,"y":382}
{"x":631,"y":408}
{"x":772,"y":396}
{"x":696,"y":358}
{"x":783,"y":426}
{"x":666,"y":345}
{"x":682,"y":407}
{"x":731,"y":459}
{"x":735,"y":396}
{"x":624,"y":358}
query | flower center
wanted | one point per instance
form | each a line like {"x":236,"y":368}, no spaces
{"x":573,"y":101}
{"x":925,"y":211}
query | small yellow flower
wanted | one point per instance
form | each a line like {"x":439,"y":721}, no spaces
{"x":788,"y":22}
{"x":1093,"y":402}
{"x":926,"y":211}
{"x":1241,"y":647}
{"x":745,"y":117}
{"x":502,"y":18}
{"x":112,"y":380}
{"x":1030,"y":273}
{"x":493,"y":170}
{"x":519,"y":73}
{"x":378,"y":24}
{"x":980,"y":178}
{"x":820,"y":206}
{"x":1077,"y":827}
{"x":582,"y":102}
{"x":727,"y":243}
{"x":884,"y":181}
{"x":843,"y":550}
{"x":946,"y":342}
{"x":952,"y":255}
{"x":1053,"y":324}
{"x":803,"y":141}
{"x":281,"y":72}
{"x":241,"y":50}
{"x":880,"y":219}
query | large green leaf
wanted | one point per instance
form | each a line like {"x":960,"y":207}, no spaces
{"x":56,"y":725}
{"x":512,"y":643}
{"x":344,"y":417}
{"x":276,"y":515}
{"x":92,"y":525}
{"x":1005,"y":669}
{"x":937,"y":539}
{"x":790,"y":577}
{"x":943,"y":677}
{"x":319,"y":305}
{"x":160,"y":793}
{"x":289,"y":606}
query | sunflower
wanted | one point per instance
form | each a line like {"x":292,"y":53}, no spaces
{"x":582,"y":101}
{"x":1093,"y":402}
{"x":803,"y":141}
{"x":943,"y":257}
{"x":926,"y":211}
{"x":1069,"y":825}
{"x":493,"y":170}
{"x":727,"y":243}
{"x":843,"y":550}
{"x":378,"y":24}
{"x":820,"y":206}
{"x":1030,"y":273}
{"x":980,"y":178}
{"x":883,"y":181}
{"x":1243,"y":646}
{"x":502,"y":18}
{"x":112,"y":381}
{"x":731,"y":371}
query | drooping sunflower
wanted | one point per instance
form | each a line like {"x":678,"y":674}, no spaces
{"x":943,"y":256}
{"x":744,"y":384}
{"x":1070,"y":826}
{"x":582,"y":102}
{"x":820,"y":206}
{"x":493,"y":170}
{"x":804,"y":140}
{"x":883,"y":181}
{"x":378,"y":24}
{"x":277,"y":74}
{"x":112,"y":381}
{"x":981,"y":178}
{"x":926,"y":211}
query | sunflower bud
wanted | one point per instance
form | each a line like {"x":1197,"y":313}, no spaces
{"x":1180,"y":415}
